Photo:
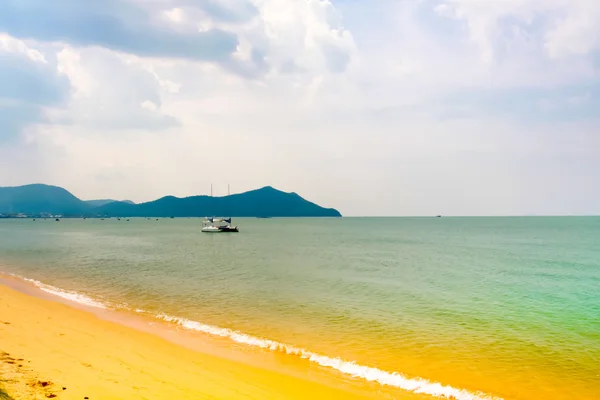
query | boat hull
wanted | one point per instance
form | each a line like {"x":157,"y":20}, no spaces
{"x":223,"y":229}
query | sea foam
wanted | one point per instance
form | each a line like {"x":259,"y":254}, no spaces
{"x":65,"y":294}
{"x":395,"y":379}
{"x":351,"y":368}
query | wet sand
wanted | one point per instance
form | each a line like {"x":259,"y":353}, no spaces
{"x":46,"y":346}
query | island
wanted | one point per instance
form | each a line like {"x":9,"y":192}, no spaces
{"x":39,"y":200}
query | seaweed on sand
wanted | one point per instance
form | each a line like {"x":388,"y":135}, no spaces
{"x":4,"y":395}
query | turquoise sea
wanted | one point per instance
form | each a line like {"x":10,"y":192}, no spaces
{"x":486,"y":307}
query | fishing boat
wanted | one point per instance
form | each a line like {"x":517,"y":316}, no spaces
{"x":216,"y":225}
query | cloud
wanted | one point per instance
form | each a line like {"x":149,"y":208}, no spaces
{"x":99,"y":55}
{"x":28,"y":85}
{"x":111,"y":92}
{"x":115,"y":24}
{"x":560,"y":27}
{"x":14,"y":117}
{"x":247,"y":37}
{"x":411,"y":107}
{"x":273,"y":34}
{"x":529,"y":105}
{"x":229,"y":11}
{"x":93,"y":88}
{"x":577,"y":32}
{"x":309,"y":33}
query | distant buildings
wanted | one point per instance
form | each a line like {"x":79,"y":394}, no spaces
{"x":21,"y":215}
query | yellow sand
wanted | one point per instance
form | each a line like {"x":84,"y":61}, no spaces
{"x":45,"y":341}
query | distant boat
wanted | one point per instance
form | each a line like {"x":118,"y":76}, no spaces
{"x":438,"y":216}
{"x":216,"y":225}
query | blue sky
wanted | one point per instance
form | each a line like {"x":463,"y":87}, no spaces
{"x":389,"y":107}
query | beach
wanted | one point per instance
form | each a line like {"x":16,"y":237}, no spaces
{"x":47,"y":346}
{"x":488,"y":308}
{"x":300,"y":199}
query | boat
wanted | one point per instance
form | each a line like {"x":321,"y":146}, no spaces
{"x":217,"y":225}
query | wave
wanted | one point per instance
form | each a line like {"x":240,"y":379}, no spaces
{"x":371,"y":374}
{"x":351,"y":368}
{"x":65,"y":294}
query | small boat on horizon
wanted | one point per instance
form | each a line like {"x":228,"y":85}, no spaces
{"x":217,"y":225}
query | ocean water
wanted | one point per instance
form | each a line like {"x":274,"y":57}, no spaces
{"x":475,"y":308}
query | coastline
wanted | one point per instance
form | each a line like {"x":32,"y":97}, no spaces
{"x":46,"y":341}
{"x":350,"y":379}
{"x":50,"y":341}
{"x":420,"y":335}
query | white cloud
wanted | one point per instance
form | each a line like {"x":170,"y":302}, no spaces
{"x":307,"y":33}
{"x":562,"y":26}
{"x":12,"y":45}
{"x":29,"y":84}
{"x":426,"y":107}
{"x":176,"y":15}
{"x":109,"y":91}
{"x":578,"y":32}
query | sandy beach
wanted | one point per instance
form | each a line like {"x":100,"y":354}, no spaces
{"x":297,"y":310}
{"x":48,"y":350}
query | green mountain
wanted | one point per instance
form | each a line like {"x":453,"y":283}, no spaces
{"x":265,"y":202}
{"x":100,"y":203}
{"x":37,"y":198}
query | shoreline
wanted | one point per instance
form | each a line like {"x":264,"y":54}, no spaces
{"x":48,"y":341}
{"x":256,"y":352}
{"x":44,"y":317}
{"x":486,"y":327}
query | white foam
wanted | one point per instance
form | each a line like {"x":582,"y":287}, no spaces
{"x":395,"y":379}
{"x":65,"y":294}
{"x":416,"y":385}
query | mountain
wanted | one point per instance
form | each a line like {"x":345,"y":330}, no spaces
{"x":100,"y":203}
{"x":38,"y":198}
{"x":266,"y":202}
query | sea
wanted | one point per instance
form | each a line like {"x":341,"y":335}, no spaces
{"x":474,"y":308}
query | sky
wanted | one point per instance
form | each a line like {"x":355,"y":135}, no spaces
{"x":382,"y":107}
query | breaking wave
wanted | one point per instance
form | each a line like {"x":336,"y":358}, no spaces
{"x":351,"y":368}
{"x":65,"y":294}
{"x":396,"y":379}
